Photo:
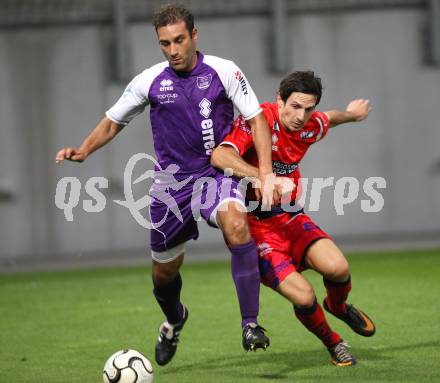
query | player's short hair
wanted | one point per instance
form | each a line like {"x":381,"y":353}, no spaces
{"x":169,"y":14}
{"x":301,"y":82}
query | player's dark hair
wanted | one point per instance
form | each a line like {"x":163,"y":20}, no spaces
{"x":301,"y":82}
{"x":171,"y":14}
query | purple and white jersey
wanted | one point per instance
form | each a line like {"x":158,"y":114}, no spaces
{"x":191,"y":112}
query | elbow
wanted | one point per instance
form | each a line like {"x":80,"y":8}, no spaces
{"x":215,"y":161}
{"x":114,"y":129}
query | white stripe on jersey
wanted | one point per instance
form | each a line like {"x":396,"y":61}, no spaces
{"x":321,"y":129}
{"x":237,"y":88}
{"x":135,"y":97}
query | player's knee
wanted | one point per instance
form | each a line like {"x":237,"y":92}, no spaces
{"x":306,"y":298}
{"x":339,"y":270}
{"x":236,"y":229}
{"x":163,"y":275}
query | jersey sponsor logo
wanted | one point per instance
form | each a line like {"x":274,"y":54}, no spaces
{"x":203,"y":82}
{"x":166,"y":85}
{"x":168,"y":98}
{"x":242,"y":82}
{"x":306,"y":134}
{"x":282,"y":168}
{"x":207,"y":129}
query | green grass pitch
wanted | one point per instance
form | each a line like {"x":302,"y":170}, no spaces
{"x":62,"y":326}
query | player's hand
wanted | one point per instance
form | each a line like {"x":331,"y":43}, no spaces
{"x":268,"y":192}
{"x":285,"y":187}
{"x":359,"y":109}
{"x":70,"y":154}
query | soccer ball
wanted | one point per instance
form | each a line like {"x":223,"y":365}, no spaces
{"x":128,"y":366}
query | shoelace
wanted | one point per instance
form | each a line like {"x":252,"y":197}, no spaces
{"x":342,"y":353}
{"x":164,"y":339}
{"x":258,"y":328}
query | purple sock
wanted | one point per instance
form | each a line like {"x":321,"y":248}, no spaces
{"x":168,"y":297}
{"x":244,"y":266}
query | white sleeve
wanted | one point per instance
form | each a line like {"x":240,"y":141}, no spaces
{"x":135,"y":97}
{"x":237,"y":87}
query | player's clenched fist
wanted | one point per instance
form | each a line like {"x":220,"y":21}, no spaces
{"x":359,"y":109}
{"x":71,"y":154}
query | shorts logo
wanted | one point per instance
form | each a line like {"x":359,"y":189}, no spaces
{"x":264,"y":248}
{"x":203,"y":82}
{"x":166,"y":84}
{"x":242,"y":82}
{"x":205,"y":109}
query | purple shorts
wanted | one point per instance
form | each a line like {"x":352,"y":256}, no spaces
{"x":174,"y":213}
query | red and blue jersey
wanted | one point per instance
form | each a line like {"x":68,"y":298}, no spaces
{"x":288,"y":148}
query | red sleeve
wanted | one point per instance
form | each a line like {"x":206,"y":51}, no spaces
{"x":322,"y":124}
{"x":240,"y":136}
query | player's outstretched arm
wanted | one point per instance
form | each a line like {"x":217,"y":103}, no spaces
{"x":103,"y":133}
{"x":357,"y":110}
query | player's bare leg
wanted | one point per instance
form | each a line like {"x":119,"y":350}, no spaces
{"x":167,"y":284}
{"x":298,"y":290}
{"x":327,"y":259}
{"x":232,"y":220}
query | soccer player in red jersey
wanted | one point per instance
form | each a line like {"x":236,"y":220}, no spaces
{"x":289,"y":241}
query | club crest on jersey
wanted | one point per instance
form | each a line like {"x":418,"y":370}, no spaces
{"x":166,"y":84}
{"x":306,"y":134}
{"x":242,"y":82}
{"x":203,"y":82}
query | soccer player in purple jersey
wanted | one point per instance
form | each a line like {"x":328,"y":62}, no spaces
{"x":191,"y":98}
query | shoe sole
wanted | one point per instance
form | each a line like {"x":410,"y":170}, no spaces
{"x":254,"y":347}
{"x":370,"y":330}
{"x":343,"y":364}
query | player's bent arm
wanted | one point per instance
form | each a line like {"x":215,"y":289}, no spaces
{"x":357,"y":110}
{"x":104,"y":132}
{"x":262,"y":138}
{"x":226,"y":157}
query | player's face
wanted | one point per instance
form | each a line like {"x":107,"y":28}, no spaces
{"x":296,"y":111}
{"x":178,"y":46}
